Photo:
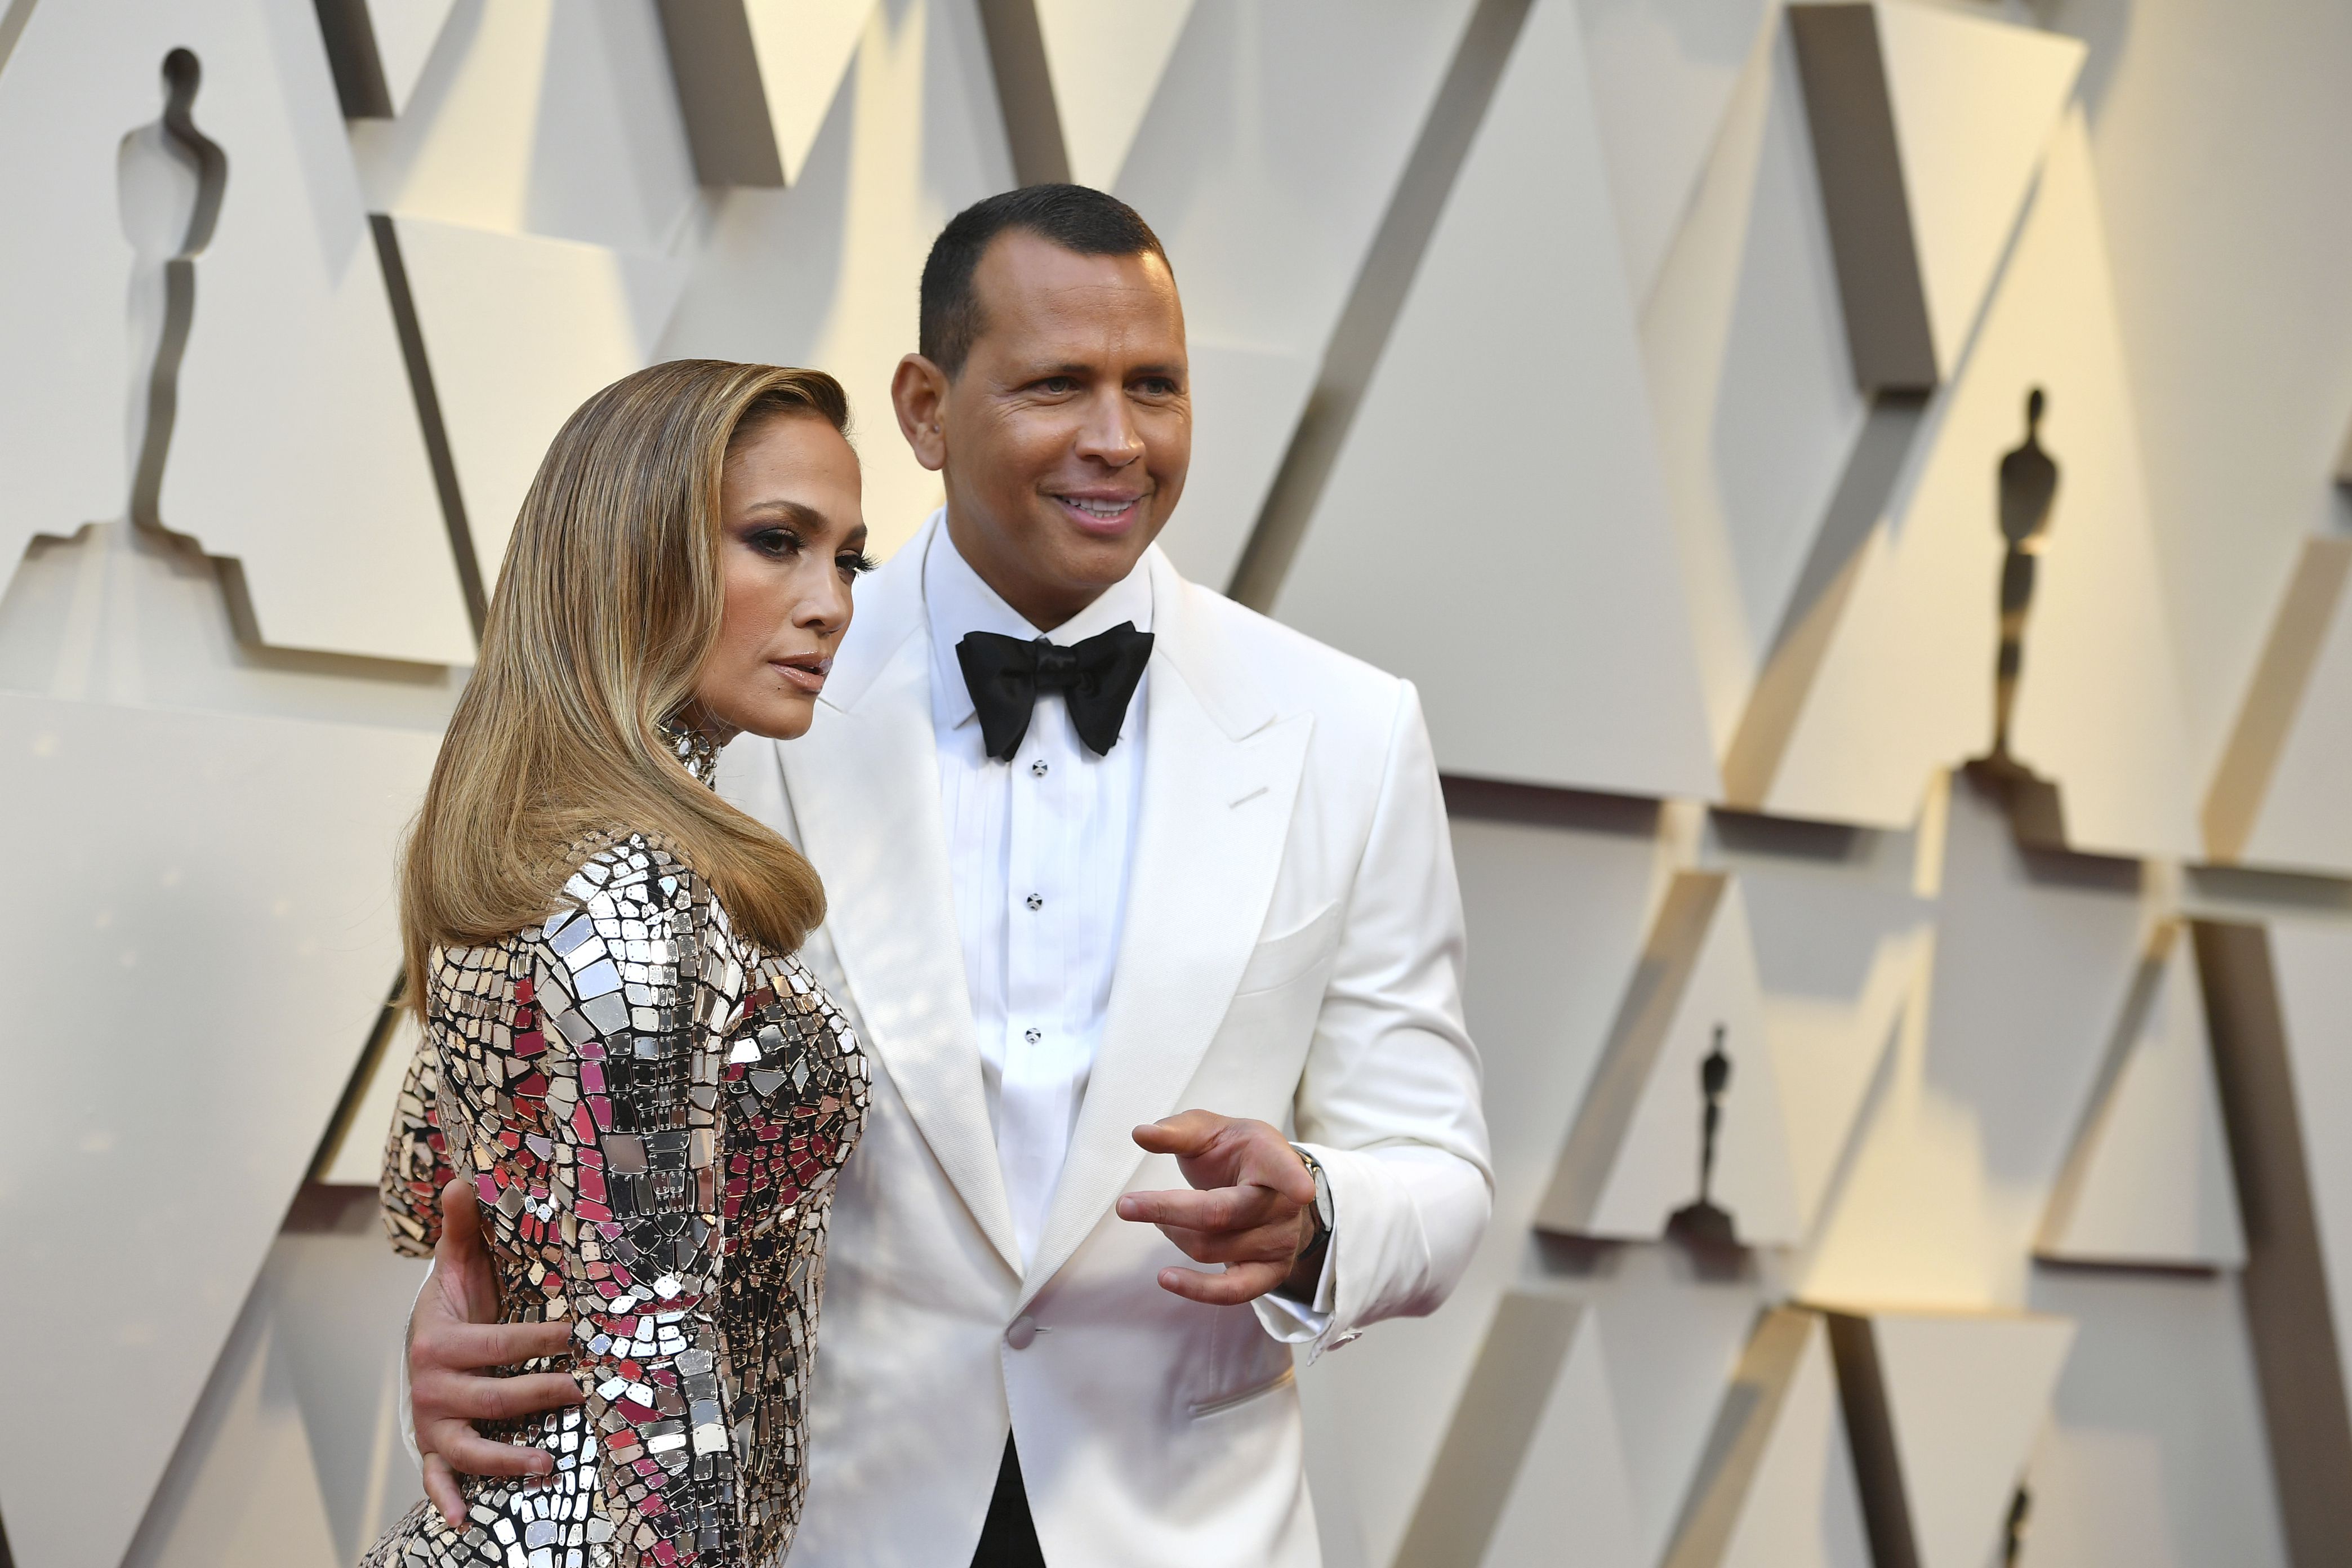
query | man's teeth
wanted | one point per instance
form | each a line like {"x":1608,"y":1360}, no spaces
{"x":1103,"y":508}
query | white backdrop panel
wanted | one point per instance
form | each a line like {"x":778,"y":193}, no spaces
{"x":194,"y":967}
{"x":1496,"y":526}
{"x":1907,"y":681}
{"x":1749,"y":378}
{"x":825,"y":273}
{"x":1664,"y":74}
{"x":2033,"y":956}
{"x":1555,"y":906}
{"x":1105,"y":58}
{"x":540,"y":117}
{"x":297,"y":448}
{"x":519,"y":331}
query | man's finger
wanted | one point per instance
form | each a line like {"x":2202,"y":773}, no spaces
{"x":498,"y":1398}
{"x":1266,"y":1244}
{"x":444,"y":1345}
{"x":470,"y":1453}
{"x":441,"y":1489}
{"x":1211,"y":1208}
{"x":1186,"y":1132}
{"x":1240,"y":1282}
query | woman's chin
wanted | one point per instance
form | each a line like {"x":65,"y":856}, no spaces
{"x":786,"y":718}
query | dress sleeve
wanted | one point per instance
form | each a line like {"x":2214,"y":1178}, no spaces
{"x":634,"y":988}
{"x":415,"y":1159}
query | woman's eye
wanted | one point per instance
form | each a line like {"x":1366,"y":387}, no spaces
{"x":777,"y":541}
{"x":855,"y":563}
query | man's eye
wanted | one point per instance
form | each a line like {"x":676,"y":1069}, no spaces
{"x":1157,"y":386}
{"x":1057,"y":384}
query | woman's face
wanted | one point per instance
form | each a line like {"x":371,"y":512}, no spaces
{"x":790,"y":538}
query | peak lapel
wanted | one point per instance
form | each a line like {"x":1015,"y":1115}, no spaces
{"x":864,"y":786}
{"x":1216,"y":813}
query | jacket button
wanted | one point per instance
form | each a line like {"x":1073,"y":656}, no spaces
{"x":1022,"y":1333}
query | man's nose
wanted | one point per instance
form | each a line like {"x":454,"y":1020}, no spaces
{"x":1108,"y":434}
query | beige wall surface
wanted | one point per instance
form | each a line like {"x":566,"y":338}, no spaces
{"x":1635,"y":375}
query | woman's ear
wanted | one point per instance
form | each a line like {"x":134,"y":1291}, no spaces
{"x":918,"y":392}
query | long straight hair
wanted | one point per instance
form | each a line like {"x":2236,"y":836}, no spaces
{"x":608,"y":604}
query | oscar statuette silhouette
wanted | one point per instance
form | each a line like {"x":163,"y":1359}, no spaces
{"x":1705,"y":1226}
{"x":2028,"y":497}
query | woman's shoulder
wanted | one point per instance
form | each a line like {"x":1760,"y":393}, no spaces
{"x":628,"y":878}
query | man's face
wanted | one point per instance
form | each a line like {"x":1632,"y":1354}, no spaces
{"x":1065,"y":437}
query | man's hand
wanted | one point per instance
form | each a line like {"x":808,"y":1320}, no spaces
{"x":1251,"y":1209}
{"x":453,"y":1336}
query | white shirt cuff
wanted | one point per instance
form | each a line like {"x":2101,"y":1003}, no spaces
{"x":1299,"y":1322}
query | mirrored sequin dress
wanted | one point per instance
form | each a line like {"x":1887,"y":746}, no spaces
{"x":653,"y":1112}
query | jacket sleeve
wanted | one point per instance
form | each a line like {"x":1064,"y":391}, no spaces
{"x":1389,"y":1102}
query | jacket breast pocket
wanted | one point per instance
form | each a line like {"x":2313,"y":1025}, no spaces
{"x":1279,"y":960}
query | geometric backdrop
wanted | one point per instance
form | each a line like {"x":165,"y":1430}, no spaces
{"x":1908,"y":1152}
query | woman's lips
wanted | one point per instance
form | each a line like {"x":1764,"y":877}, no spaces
{"x":808,"y":674}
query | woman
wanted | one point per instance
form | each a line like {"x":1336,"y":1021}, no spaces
{"x":649,"y":1095}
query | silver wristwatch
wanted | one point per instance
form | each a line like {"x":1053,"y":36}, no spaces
{"x":1322,"y":1195}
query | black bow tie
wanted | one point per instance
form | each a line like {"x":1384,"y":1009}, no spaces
{"x":1096,"y":678}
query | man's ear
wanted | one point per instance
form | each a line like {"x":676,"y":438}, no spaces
{"x":918,"y":392}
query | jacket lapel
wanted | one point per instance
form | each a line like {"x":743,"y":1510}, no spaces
{"x":864,"y":786}
{"x":1220,"y":775}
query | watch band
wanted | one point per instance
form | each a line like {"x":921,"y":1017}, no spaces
{"x":1322,"y":1208}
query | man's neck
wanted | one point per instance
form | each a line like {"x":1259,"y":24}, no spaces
{"x":1042,"y":608}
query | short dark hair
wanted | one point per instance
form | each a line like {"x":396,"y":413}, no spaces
{"x":1075,"y":217}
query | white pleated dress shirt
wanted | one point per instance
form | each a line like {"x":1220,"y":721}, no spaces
{"x":1038,"y":851}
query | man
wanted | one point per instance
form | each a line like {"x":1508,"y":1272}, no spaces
{"x":1100,"y":847}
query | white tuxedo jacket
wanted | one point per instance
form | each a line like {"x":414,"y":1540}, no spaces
{"x":1292,"y":952}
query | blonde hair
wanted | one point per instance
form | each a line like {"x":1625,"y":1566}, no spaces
{"x":608,"y":602}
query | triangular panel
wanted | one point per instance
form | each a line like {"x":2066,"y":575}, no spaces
{"x":292,"y":367}
{"x":803,"y":48}
{"x":1776,"y":1489}
{"x":379,"y":48}
{"x":1945,"y":1408}
{"x":1531,"y":1462}
{"x":1906,"y":682}
{"x":2313,"y":967}
{"x":1929,"y":125}
{"x":2030,"y":960}
{"x":1634,"y":1162}
{"x":1105,"y":58}
{"x":2278,"y":798}
{"x":2278,"y":995}
{"x":518,"y":332}
{"x":353,"y":1155}
{"x":253,"y":896}
{"x":1245,"y":402}
{"x":825,"y":272}
{"x":1567,"y":657}
{"x":1662,"y":82}
{"x":2149,"y":1182}
{"x":405,"y":31}
{"x":1753,"y":391}
{"x":1976,"y":100}
{"x":756,"y":79}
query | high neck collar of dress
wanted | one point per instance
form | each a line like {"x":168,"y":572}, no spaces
{"x":696,"y":751}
